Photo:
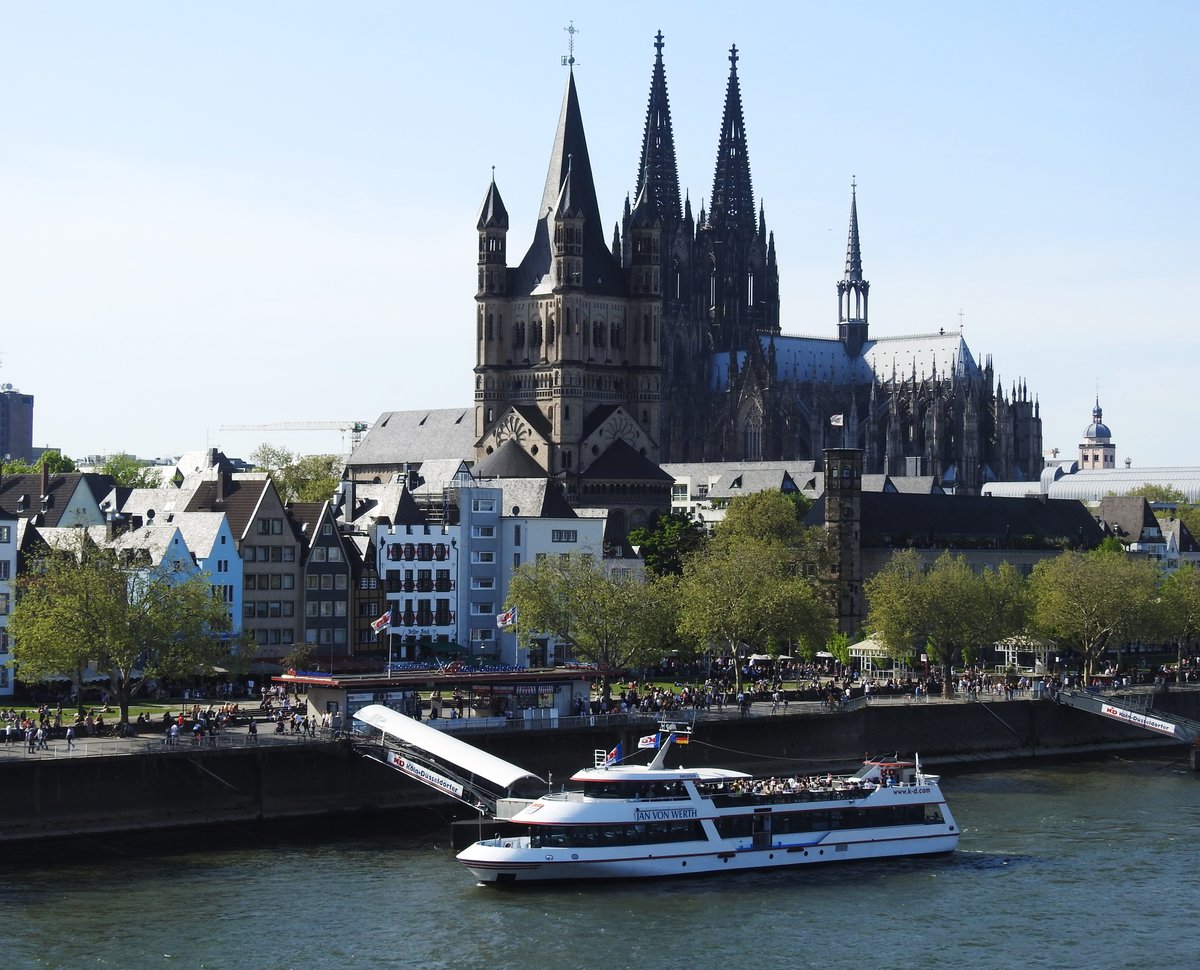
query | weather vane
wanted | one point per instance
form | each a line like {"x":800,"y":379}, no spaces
{"x":569,"y":60}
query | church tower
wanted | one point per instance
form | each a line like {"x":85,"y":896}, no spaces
{"x":852,"y":289}
{"x":737,"y":285}
{"x":568,"y":361}
{"x":1097,"y":449}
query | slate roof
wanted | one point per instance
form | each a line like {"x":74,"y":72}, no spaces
{"x":398,"y":437}
{"x":534,"y":498}
{"x":734,"y":483}
{"x":620,"y":461}
{"x":1183,"y":538}
{"x":61,"y":488}
{"x":510,"y":460}
{"x":242,"y":496}
{"x":897,"y":519}
{"x":1128,"y":516}
{"x":199,"y":530}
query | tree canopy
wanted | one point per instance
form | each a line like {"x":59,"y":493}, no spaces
{"x":947,"y":611}
{"x":1180,"y":606}
{"x":127,"y":472}
{"x":79,"y":606}
{"x":769,"y":515}
{"x":613,"y":621}
{"x":54,"y":461}
{"x":1090,"y":601}
{"x":666,"y":545}
{"x":740,"y":589}
{"x":298,"y":478}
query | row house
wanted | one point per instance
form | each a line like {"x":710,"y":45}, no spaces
{"x":328,"y":591}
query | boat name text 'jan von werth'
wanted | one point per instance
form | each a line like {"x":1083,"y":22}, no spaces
{"x":662,"y":814}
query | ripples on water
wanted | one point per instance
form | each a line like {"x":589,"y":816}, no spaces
{"x":1073,"y":865}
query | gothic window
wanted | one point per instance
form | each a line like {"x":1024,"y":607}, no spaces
{"x":646,"y":328}
{"x":535,"y":334}
{"x":597,"y":334}
{"x":489,"y":326}
{"x":550,"y":332}
{"x":749,"y":289}
{"x":615,"y":336}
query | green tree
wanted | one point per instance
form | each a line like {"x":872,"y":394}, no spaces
{"x":1091,"y":601}
{"x":81,"y":605}
{"x":127,"y":472}
{"x":614,"y":621}
{"x":666,"y":545}
{"x":949,"y":610}
{"x":298,"y":478}
{"x":767,"y":516}
{"x":1152,"y":492}
{"x":1180,"y":605}
{"x":54,"y":460}
{"x":739,"y":589}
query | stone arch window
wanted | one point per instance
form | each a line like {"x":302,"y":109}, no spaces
{"x":550,"y":332}
{"x":489,"y":327}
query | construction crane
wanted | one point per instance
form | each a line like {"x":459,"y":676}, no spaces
{"x":356,"y":428}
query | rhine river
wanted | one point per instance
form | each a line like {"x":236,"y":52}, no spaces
{"x":1093,"y":864}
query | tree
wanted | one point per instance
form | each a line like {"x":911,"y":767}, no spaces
{"x":948,"y":611}
{"x":775,"y":516}
{"x":80,"y":604}
{"x":616,"y":622}
{"x":666,"y":545}
{"x":298,"y":478}
{"x":739,"y":589}
{"x":127,"y":472}
{"x":1180,"y":605}
{"x":1091,"y":601}
{"x":52,"y":459}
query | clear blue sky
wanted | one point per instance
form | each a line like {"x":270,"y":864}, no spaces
{"x":230,"y":213}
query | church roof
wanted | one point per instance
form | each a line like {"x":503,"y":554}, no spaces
{"x":510,"y":460}
{"x":569,"y":156}
{"x":534,"y":498}
{"x":493,"y":215}
{"x":411,"y":436}
{"x":823,"y":360}
{"x":620,"y":461}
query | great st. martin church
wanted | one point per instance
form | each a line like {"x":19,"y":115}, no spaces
{"x":596,"y":361}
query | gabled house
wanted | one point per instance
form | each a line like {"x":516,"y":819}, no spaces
{"x":272,"y":608}
{"x":52,"y":500}
{"x":328,"y":594}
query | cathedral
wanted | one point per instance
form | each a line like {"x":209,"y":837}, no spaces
{"x":597,"y":360}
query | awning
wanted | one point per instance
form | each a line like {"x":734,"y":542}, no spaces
{"x":449,"y":749}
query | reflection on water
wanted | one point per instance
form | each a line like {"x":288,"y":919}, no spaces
{"x":1089,"y":864}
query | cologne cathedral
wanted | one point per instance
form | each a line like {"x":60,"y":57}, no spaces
{"x":597,"y":360}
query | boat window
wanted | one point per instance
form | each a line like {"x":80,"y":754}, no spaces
{"x":599,"y":836}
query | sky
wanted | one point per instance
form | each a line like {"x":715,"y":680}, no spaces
{"x":244,"y":213}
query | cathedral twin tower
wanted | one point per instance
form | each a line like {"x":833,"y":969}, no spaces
{"x":596,"y":361}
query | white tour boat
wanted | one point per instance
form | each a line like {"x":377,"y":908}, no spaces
{"x":627,"y":821}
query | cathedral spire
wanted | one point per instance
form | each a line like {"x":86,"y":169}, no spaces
{"x":853,"y":248}
{"x":733,"y":193}
{"x":658,"y":165}
{"x":852,"y":288}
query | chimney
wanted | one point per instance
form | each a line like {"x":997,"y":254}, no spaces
{"x":220,"y":486}
{"x":45,"y":479}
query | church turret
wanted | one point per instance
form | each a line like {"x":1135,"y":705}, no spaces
{"x":852,"y":289}
{"x":493,"y":233}
{"x":657,"y":171}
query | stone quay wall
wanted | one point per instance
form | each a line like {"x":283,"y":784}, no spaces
{"x":60,"y":798}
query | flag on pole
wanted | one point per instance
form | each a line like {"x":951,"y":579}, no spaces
{"x":382,"y":623}
{"x":680,"y":738}
{"x":649,"y":741}
{"x":837,"y":420}
{"x":614,"y":756}
{"x":507,"y":618}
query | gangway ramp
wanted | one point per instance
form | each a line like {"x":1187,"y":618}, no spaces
{"x":1122,"y":709}
{"x":443,"y":763}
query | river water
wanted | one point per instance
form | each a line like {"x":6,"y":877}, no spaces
{"x":1093,"y":864}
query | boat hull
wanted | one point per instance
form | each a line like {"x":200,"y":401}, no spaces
{"x":510,"y":861}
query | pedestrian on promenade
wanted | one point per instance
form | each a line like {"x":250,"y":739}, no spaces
{"x":70,"y":737}
{"x":252,"y":731}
